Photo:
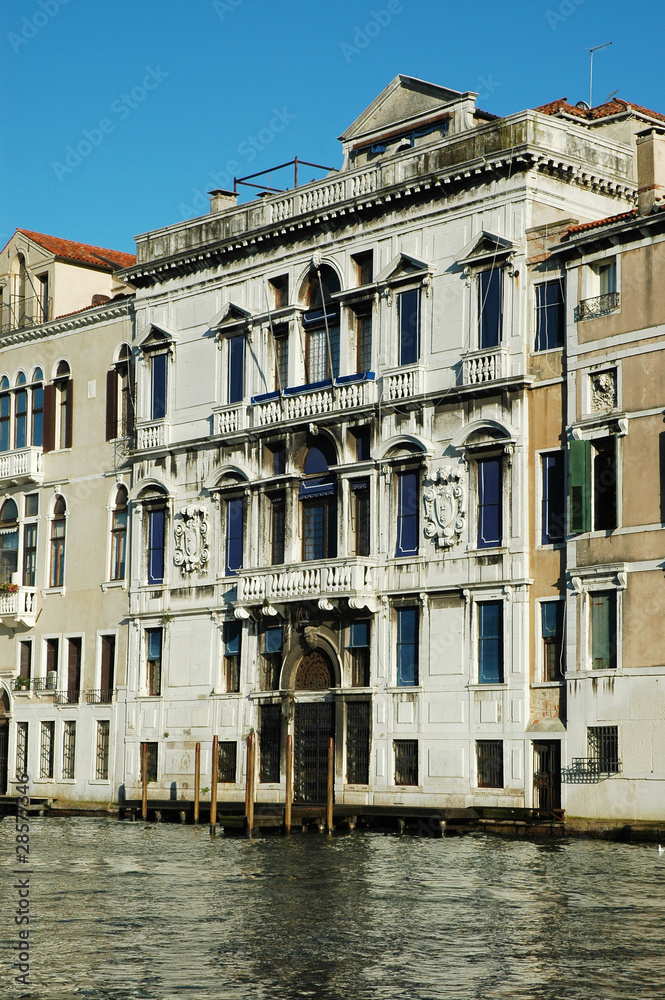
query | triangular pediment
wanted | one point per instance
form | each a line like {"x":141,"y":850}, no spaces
{"x":156,"y":336}
{"x":404,"y":99}
{"x":404,"y":266}
{"x":485,"y":247}
{"x":230,"y":315}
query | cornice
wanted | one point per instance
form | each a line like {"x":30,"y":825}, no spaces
{"x":66,"y":324}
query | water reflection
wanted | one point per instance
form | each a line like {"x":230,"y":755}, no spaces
{"x":161,"y":911}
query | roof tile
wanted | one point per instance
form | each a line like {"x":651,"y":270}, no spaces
{"x":84,"y":253}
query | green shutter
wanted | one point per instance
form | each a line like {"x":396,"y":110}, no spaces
{"x":580,"y":485}
{"x":603,"y":631}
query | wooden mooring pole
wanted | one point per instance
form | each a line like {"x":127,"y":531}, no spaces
{"x":197,"y":781}
{"x":331,"y":779}
{"x":213,"y":788}
{"x":289,"y":785}
{"x":144,"y":782}
{"x":251,"y":769}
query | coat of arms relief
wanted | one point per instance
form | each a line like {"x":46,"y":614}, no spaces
{"x":445,"y":507}
{"x":191,"y":539}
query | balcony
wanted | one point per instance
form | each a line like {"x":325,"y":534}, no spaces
{"x":23,"y":311}
{"x":152,"y":435}
{"x":103,"y":696}
{"x":306,"y":401}
{"x":402,"y":383}
{"x":349,"y":578}
{"x":488,"y":365}
{"x":19,"y":607}
{"x":599,"y":305}
{"x":230,"y":418}
{"x":23,"y":466}
{"x":69,"y":697}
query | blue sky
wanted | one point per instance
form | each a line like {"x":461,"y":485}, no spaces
{"x":118,"y":116}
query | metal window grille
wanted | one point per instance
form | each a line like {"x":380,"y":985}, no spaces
{"x":21,"y":748}
{"x":102,"y":750}
{"x":227,"y":756}
{"x":357,"y":742}
{"x":270,"y":737}
{"x":603,"y":743}
{"x":68,"y":749}
{"x":152,"y":760}
{"x":46,"y":750}
{"x":406,"y":762}
{"x":489,"y":755}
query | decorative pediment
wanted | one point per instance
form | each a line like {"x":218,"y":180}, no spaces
{"x":404,"y":99}
{"x":229,"y":318}
{"x":156,"y":337}
{"x":445,"y":505}
{"x":487,"y":248}
{"x":402,"y":267}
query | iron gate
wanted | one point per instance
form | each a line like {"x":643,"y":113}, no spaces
{"x":4,"y":760}
{"x":315,"y":724}
{"x":547,"y":775}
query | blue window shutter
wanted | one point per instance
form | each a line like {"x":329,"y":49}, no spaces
{"x":359,"y":635}
{"x":236,"y":369}
{"x":553,"y":514}
{"x":552,"y":618}
{"x":158,"y":402}
{"x":232,"y":633}
{"x":407,"y":514}
{"x":490,"y":642}
{"x":235,"y":516}
{"x":154,"y":643}
{"x":272,"y":640}
{"x":409,"y":327}
{"x":407,"y":646}
{"x":490,"y":528}
{"x":156,"y":521}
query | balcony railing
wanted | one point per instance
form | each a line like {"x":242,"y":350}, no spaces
{"x":402,"y":383}
{"x":26,"y":465}
{"x":20,"y":605}
{"x":69,"y":697}
{"x":302,"y":402}
{"x":487,"y":365}
{"x":228,"y":419}
{"x":100,"y":696}
{"x":24,"y":311}
{"x":152,"y":435}
{"x":338,"y":578}
{"x":589,"y":770}
{"x":599,"y":305}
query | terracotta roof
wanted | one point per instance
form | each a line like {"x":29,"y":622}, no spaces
{"x":109,"y":260}
{"x":603,"y":222}
{"x":613,"y":107}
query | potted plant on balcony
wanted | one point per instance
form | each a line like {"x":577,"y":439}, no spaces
{"x":21,"y":683}
{"x":8,"y":588}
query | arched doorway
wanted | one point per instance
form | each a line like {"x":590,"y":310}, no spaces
{"x":4,"y":740}
{"x":314,"y":725}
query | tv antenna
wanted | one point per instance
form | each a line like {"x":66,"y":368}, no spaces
{"x":594,"y":49}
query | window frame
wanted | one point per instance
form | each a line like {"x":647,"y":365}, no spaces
{"x":543,"y":645}
{"x":486,"y":769}
{"x":403,"y":516}
{"x":154,"y":665}
{"x":582,"y":492}
{"x":481,"y":303}
{"x":546,"y":538}
{"x":484,"y":678}
{"x":408,"y":357}
{"x":401,"y":748}
{"x":407,"y":674}
{"x":482,"y":462}
{"x":541,"y":310}
{"x":57,"y":563}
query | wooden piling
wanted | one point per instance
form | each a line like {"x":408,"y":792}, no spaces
{"x":144,"y":782}
{"x":251,"y":769}
{"x":197,"y":781}
{"x":213,"y":788}
{"x":289,"y":785}
{"x":331,"y":779}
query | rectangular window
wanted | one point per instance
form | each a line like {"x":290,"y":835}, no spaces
{"x":21,"y":419}
{"x":277,"y":528}
{"x":407,"y":646}
{"x":153,"y":643}
{"x":359,"y":650}
{"x":364,"y":265}
{"x":152,"y":761}
{"x":407,"y":514}
{"x":364,"y":342}
{"x":406,"y":762}
{"x":552,"y":632}
{"x":158,"y":370}
{"x":102,"y":750}
{"x":409,"y":326}
{"x":362,"y":436}
{"x":37,"y":416}
{"x":271,"y":664}
{"x":118,"y":543}
{"x":156,"y":525}
{"x":52,"y":651}
{"x":490,"y":306}
{"x":68,"y":749}
{"x":25,"y":660}
{"x":227,"y":761}
{"x":270,"y":739}
{"x":232,"y":640}
{"x":281,"y":339}
{"x":607,"y":277}
{"x":553,"y":512}
{"x":603,"y":629}
{"x":4,"y":422}
{"x":357,"y":742}
{"x":22,"y":731}
{"x":489,"y":757}
{"x":46,"y":749}
{"x":490,"y":642}
{"x":550,"y":315}
{"x":42,"y":290}
{"x":593,"y":485}
{"x":603,"y":744}
{"x":280,"y":291}
{"x":235,"y":521}
{"x":490,"y":527}
{"x":107,"y":671}
{"x":236,"y":369}
{"x":57,"y":577}
{"x":63,"y":389}
{"x":320,"y":534}
{"x":29,"y":554}
{"x":360,"y":511}
{"x":73,"y":669}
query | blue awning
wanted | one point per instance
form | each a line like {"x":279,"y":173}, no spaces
{"x":321,"y":486}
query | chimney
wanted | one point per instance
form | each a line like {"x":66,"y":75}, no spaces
{"x":650,"y":169}
{"x":221,"y":200}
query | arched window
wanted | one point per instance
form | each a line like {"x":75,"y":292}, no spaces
{"x":119,"y":535}
{"x":8,"y":541}
{"x":58,"y":403}
{"x":232,"y":496}
{"x":58,"y":525}
{"x":318,"y":496}
{"x":37,"y":423}
{"x":4,"y":413}
{"x":321,"y":322}
{"x":155,"y":516}
{"x":120,"y":396}
{"x":21,"y":412}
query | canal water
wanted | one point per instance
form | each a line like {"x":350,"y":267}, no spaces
{"x":126,"y":911}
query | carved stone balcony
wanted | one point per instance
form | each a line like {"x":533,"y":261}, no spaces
{"x":487,"y":365}
{"x":402,"y":383}
{"x":153,"y":434}
{"x":599,"y":305}
{"x":26,"y":465}
{"x":347,"y":578}
{"x":303,"y":402}
{"x":19,"y":608}
{"x":229,"y":418}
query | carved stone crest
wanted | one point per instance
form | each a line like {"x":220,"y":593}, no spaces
{"x":191,"y":539}
{"x":603,"y":389}
{"x":444,"y":503}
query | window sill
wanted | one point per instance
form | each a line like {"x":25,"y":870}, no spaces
{"x":54,"y":590}
{"x":113,"y":585}
{"x":551,"y":546}
{"x":229,"y":694}
{"x":582,"y":674}
{"x":148,"y":697}
{"x":490,"y":685}
{"x":67,"y":781}
{"x":489,"y":550}
{"x":415,"y":688}
{"x":548,"y":684}
{"x":99,"y":781}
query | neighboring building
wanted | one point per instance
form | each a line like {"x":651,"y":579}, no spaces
{"x":345,"y":393}
{"x":64,"y":480}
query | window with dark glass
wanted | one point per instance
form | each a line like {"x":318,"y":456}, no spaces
{"x":603,"y":748}
{"x":227,"y":761}
{"x":8,"y":541}
{"x":156,"y":544}
{"x":364,"y":339}
{"x":407,"y":513}
{"x":102,"y":750}
{"x":158,"y":386}
{"x":37,"y":419}
{"x":364,"y":266}
{"x":47,"y":750}
{"x":357,"y":742}
{"x":490,"y":642}
{"x":42,"y":290}
{"x":407,"y":646}
{"x":119,"y":396}
{"x":280,"y":290}
{"x":361,"y":519}
{"x":490,"y":530}
{"x":281,"y":341}
{"x":22,"y":730}
{"x":52,"y":663}
{"x":74,"y":669}
{"x":29,"y":554}
{"x":603,"y":629}
{"x":234,"y":516}
{"x":489,"y":759}
{"x":21,"y":413}
{"x":236,"y":384}
{"x":321,"y":323}
{"x":58,"y":409}
{"x":149,"y":750}
{"x":25,"y":660}
{"x":554,"y":498}
{"x":271,"y":664}
{"x":359,"y":652}
{"x":107,"y":668}
{"x":550,"y":315}
{"x":277,"y":510}
{"x":409,"y":326}
{"x":406,"y":762}
{"x":58,"y":525}
{"x":68,"y":749}
{"x":153,"y":645}
{"x":362,"y":436}
{"x":270,"y":739}
{"x":490,"y":306}
{"x":593,"y":472}
{"x":5,"y":410}
{"x":318,"y":490}
{"x":552,"y":631}
{"x":119,"y":535}
{"x":232,"y":644}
